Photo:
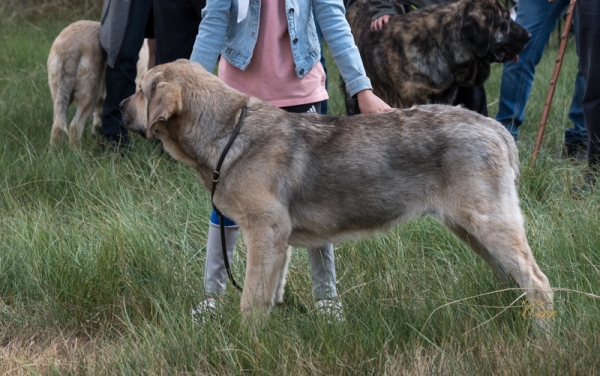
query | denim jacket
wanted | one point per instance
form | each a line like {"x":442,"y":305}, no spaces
{"x":220,"y":33}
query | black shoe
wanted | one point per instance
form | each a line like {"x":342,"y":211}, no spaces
{"x":576,"y":151}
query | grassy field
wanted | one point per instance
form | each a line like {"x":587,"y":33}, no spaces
{"x":101,"y":260}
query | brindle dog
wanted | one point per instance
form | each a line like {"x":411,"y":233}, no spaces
{"x":424,"y":56}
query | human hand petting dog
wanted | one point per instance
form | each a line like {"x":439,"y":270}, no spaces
{"x":379,"y":22}
{"x":369,"y":103}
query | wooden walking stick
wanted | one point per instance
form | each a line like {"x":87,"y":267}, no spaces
{"x":559,"y":60}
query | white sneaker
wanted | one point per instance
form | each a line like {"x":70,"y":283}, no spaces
{"x":205,"y":311}
{"x":331,"y":309}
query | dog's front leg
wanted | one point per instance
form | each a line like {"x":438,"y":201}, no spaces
{"x":266,"y":264}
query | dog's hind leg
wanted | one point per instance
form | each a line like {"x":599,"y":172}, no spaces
{"x":498,"y":236}
{"x":480,"y":250}
{"x":97,"y":118}
{"x":61,"y":97}
{"x":85,"y":106}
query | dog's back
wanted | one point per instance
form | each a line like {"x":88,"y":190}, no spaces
{"x":75,"y":73}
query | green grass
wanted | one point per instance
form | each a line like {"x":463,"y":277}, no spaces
{"x":101,"y":260}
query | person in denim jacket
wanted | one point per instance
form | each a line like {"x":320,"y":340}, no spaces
{"x":270,"y":49}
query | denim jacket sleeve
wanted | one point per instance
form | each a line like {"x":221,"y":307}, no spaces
{"x":336,"y":31}
{"x":212,"y":32}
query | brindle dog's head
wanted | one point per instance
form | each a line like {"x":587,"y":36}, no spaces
{"x":490,"y":31}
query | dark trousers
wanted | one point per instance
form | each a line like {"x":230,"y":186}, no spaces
{"x":120,"y":79}
{"x":176,"y":26}
{"x":589,"y":56}
{"x":473,"y":98}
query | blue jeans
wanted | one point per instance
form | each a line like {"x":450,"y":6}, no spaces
{"x":539,"y":17}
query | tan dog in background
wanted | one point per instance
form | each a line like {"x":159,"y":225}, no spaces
{"x":76,"y":74}
{"x":304,"y":180}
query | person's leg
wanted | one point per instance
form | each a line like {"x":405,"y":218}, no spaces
{"x":176,"y":26}
{"x":322,"y":271}
{"x":120,"y":79}
{"x":576,"y":136}
{"x":589,"y":55}
{"x":215,"y":274}
{"x":539,"y":17}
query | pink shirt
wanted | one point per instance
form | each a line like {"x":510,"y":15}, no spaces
{"x":270,"y":74}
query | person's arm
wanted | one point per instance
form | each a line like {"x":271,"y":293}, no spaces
{"x":369,"y":103}
{"x":211,"y":33}
{"x":336,"y":31}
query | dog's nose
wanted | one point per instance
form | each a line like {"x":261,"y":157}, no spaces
{"x":123,"y":103}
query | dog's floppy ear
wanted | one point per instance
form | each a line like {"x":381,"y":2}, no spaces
{"x":149,"y":81}
{"x":477,"y":28}
{"x":165,"y":101}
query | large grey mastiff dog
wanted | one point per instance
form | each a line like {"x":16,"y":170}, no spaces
{"x":304,"y":180}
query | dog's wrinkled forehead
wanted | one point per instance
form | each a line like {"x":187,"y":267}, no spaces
{"x":152,"y":78}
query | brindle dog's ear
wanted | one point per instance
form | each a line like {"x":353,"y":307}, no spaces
{"x":165,"y":101}
{"x":477,"y":28}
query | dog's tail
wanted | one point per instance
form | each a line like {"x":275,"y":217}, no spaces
{"x":61,"y":80}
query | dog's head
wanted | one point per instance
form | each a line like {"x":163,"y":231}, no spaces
{"x":183,"y":106}
{"x":490,"y":31}
{"x":506,"y":45}
{"x":156,"y":101}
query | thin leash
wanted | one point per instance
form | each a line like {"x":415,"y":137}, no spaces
{"x":215,"y":178}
